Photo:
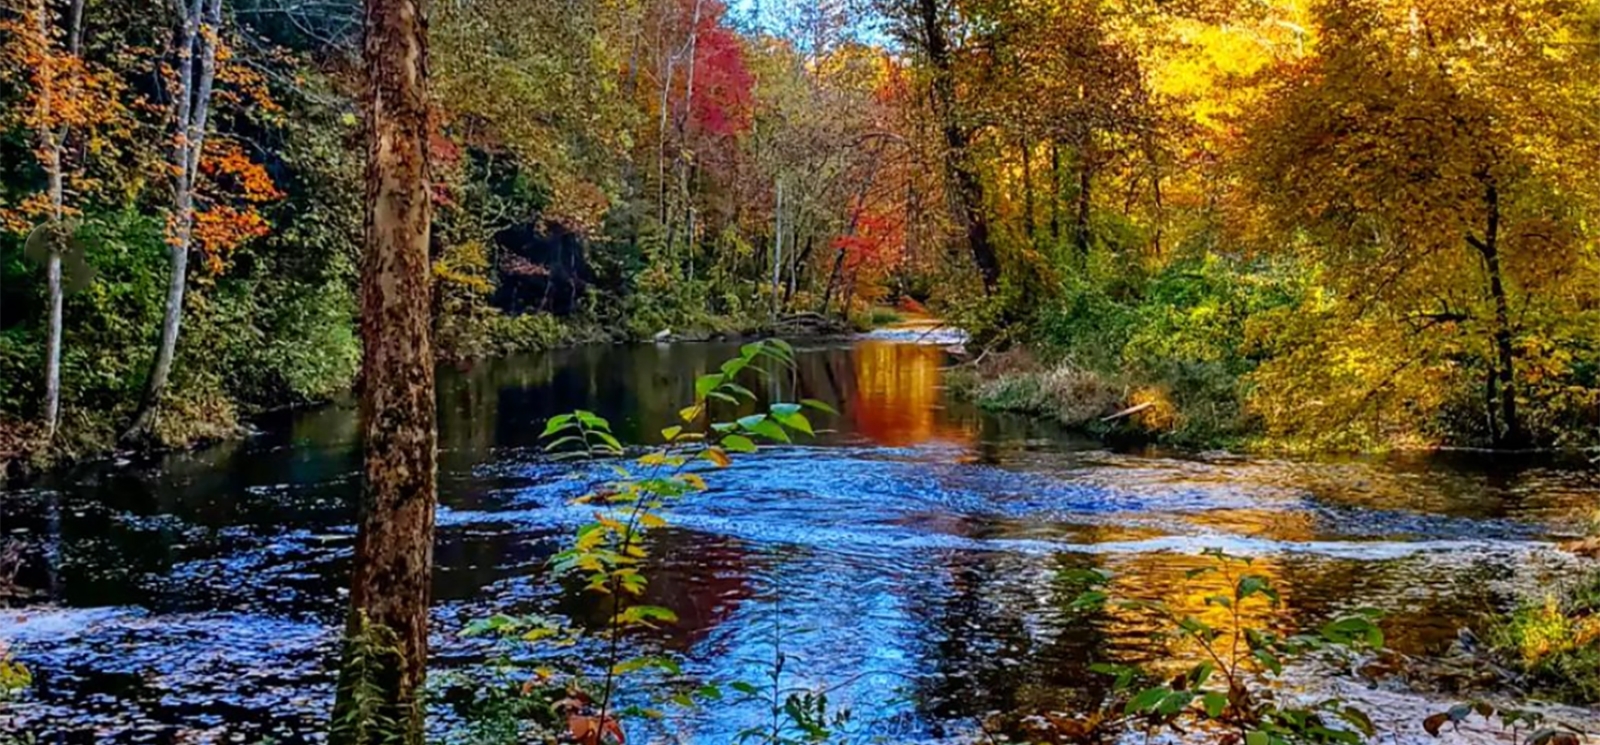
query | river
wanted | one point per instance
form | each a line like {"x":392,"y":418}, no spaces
{"x":909,"y":560}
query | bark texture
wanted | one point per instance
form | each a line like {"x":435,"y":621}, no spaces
{"x":391,"y":587}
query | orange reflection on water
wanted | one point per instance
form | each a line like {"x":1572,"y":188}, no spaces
{"x":1189,"y":587}
{"x":897,"y":398}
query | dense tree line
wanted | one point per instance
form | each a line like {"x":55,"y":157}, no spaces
{"x":1341,"y":222}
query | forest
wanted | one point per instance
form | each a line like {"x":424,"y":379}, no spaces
{"x":1346,"y":225}
{"x":799,"y":371}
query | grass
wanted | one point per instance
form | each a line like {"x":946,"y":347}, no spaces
{"x":880,"y":316}
{"x":1090,"y":400}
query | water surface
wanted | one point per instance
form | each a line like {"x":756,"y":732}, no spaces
{"x":911,"y":560}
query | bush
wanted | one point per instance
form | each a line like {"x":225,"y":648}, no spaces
{"x":1176,"y":342}
{"x":1555,"y":641}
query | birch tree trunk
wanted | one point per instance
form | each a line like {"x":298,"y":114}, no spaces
{"x":777,"y":255}
{"x":387,"y":632}
{"x":200,"y":24}
{"x":50,"y":151}
{"x":52,"y":142}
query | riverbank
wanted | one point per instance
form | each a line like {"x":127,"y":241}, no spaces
{"x":1196,"y":407}
{"x":200,"y":413}
{"x":1116,"y":407}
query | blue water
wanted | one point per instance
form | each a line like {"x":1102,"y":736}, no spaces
{"x":908,"y":562}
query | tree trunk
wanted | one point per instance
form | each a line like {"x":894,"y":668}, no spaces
{"x":193,"y":104}
{"x":777,"y":248}
{"x":857,"y":205}
{"x":1027,"y":190}
{"x":1085,"y":178}
{"x":50,"y":144}
{"x":969,"y":189}
{"x":796,"y":265}
{"x":1510,"y":432}
{"x":1055,"y":195}
{"x":386,"y":644}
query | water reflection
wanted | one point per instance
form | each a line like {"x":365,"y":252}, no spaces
{"x":912,"y":558}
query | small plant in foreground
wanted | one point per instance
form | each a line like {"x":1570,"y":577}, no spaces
{"x":1516,"y":720}
{"x":1230,"y":685}
{"x":608,"y":553}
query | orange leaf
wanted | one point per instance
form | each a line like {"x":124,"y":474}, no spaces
{"x":590,"y":730}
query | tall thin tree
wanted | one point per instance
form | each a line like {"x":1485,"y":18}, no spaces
{"x":387,"y":633}
{"x":199,"y":30}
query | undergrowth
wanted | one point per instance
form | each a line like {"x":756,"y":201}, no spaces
{"x":1555,"y":641}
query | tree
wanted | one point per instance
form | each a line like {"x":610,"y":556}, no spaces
{"x":1439,"y":159}
{"x":59,"y":103}
{"x":380,"y":682}
{"x":199,"y":36}
{"x":930,"y":34}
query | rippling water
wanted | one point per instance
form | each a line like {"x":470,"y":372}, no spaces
{"x":910,"y":559}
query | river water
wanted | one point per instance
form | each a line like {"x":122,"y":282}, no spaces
{"x":910,"y":561}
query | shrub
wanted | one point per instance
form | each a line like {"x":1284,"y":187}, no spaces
{"x":1555,"y":640}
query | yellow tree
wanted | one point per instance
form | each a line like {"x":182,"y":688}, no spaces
{"x":1438,"y":157}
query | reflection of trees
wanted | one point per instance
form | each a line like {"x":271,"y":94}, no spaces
{"x":700,"y":578}
{"x":898,"y":397}
{"x":1004,"y":643}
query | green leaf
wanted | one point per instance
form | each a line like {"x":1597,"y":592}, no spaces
{"x":1256,"y":737}
{"x":738,"y":444}
{"x":765,"y":427}
{"x":1174,"y":702}
{"x":1252,"y":584}
{"x":562,"y":441}
{"x":1089,"y":600}
{"x":795,"y":421}
{"x":1123,"y":673}
{"x":745,"y":688}
{"x":1146,"y":700}
{"x":655,"y":612}
{"x":749,"y":421}
{"x":556,"y":424}
{"x":1358,"y":719}
{"x":671,"y":433}
{"x":592,"y":420}
{"x":609,"y":440}
{"x":733,"y":367}
{"x":1268,"y":660}
{"x":1352,"y":630}
{"x":1215,"y":703}
{"x":705,"y":384}
{"x":819,"y":406}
